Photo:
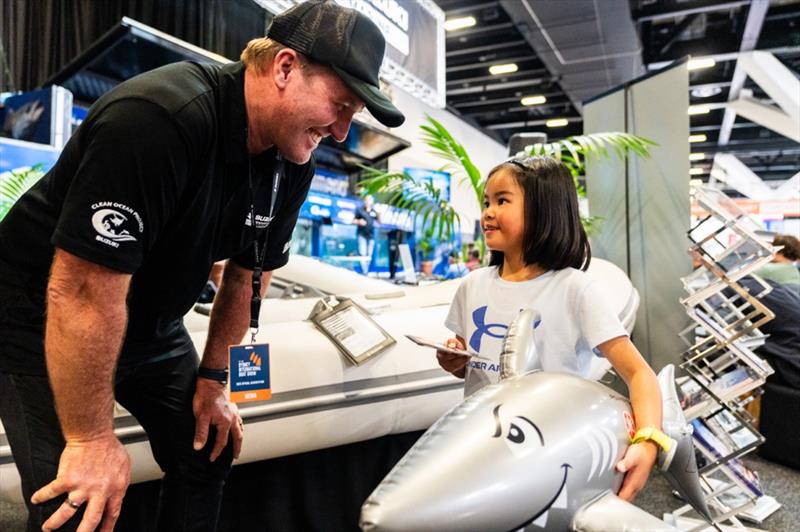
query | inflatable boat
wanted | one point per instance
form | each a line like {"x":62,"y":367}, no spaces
{"x":319,"y":398}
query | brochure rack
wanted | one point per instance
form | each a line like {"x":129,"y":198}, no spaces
{"x":723,"y":372}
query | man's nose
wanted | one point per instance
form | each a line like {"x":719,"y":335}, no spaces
{"x":340,"y":128}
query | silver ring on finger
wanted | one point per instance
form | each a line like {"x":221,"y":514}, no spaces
{"x":72,"y":504}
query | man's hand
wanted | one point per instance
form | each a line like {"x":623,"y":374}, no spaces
{"x":455,"y":364}
{"x":636,"y":464}
{"x":212,"y":408}
{"x":95,"y":472}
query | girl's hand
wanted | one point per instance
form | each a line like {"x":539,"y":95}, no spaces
{"x":636,"y":464}
{"x":455,"y":364}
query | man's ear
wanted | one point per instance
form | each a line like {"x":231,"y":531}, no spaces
{"x":285,"y":62}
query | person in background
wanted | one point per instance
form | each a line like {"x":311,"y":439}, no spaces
{"x":783,"y":268}
{"x":782,"y":345}
{"x":455,"y":268}
{"x":473,"y":260}
{"x":171,"y":171}
{"x":365,"y":218}
{"x":394,"y":238}
{"x":539,"y":254}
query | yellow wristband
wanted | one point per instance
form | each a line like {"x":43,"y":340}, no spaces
{"x":654,"y":435}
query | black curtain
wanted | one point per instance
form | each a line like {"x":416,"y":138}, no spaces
{"x":39,"y":37}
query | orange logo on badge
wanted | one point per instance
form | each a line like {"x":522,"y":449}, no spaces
{"x":630,"y":426}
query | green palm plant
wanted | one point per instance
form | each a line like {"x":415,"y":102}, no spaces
{"x":14,"y":184}
{"x":423,"y":199}
{"x":573,"y":152}
{"x":438,"y":216}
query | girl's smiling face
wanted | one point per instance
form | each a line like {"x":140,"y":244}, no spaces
{"x":503,"y":216}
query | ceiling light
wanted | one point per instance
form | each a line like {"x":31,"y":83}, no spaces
{"x":699,"y":109}
{"x":459,"y":23}
{"x":508,"y":68}
{"x":533,"y":100}
{"x":698,"y":138}
{"x":697,"y":156}
{"x":557,"y":122}
{"x":701,"y":62}
{"x":706,"y":91}
{"x":696,"y":171}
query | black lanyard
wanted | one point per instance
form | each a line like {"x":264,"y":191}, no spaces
{"x":255,"y":300}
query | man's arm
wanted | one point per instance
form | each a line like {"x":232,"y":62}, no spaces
{"x":86,"y":321}
{"x":230,"y":318}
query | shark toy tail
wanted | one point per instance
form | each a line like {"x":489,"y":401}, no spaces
{"x":679,"y":465}
{"x":519,"y":349}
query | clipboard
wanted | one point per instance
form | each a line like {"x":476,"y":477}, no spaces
{"x":350,"y":328}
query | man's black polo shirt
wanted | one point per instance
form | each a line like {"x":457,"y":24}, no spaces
{"x":153,"y":183}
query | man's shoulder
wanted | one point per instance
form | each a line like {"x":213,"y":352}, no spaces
{"x":171,"y":87}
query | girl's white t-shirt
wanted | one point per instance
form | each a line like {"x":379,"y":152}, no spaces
{"x":573,"y":319}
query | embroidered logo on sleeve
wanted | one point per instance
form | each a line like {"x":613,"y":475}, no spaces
{"x":115,"y":223}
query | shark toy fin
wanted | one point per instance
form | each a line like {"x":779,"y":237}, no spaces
{"x":519,"y":349}
{"x":679,"y":466}
{"x":609,"y":512}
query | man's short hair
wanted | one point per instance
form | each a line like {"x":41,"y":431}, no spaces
{"x":260,"y":53}
{"x":791,"y":246}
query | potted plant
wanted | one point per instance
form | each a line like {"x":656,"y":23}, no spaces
{"x":426,"y":247}
{"x":423,"y":199}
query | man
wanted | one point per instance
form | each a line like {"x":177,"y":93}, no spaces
{"x":169,"y":172}
{"x":783,"y":268}
{"x":782,"y":345}
{"x":365,"y":219}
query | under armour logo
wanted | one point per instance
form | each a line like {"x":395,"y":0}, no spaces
{"x":495,"y":330}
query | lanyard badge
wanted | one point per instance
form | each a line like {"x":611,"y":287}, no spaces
{"x":249,"y":363}
{"x":249,"y":373}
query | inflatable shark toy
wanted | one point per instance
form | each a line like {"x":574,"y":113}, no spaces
{"x":536,"y":451}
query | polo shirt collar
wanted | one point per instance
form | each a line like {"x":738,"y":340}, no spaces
{"x":234,"y":127}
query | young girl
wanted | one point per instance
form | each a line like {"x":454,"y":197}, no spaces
{"x":538,"y":249}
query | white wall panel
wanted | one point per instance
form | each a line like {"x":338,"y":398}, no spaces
{"x":652,"y":247}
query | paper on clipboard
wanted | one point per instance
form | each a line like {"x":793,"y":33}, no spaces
{"x":350,"y":328}
{"x":441,"y":347}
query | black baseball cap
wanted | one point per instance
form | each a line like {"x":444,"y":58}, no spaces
{"x":347,"y":41}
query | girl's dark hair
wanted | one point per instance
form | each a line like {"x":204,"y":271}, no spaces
{"x":553,"y":236}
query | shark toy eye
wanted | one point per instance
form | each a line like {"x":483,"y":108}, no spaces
{"x":515,"y":435}
{"x":523,"y":434}
{"x":521,"y":430}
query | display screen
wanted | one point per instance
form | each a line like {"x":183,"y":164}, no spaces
{"x":327,"y":207}
{"x":329,"y":182}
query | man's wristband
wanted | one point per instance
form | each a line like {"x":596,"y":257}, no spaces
{"x":654,"y":435}
{"x":219,"y":375}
